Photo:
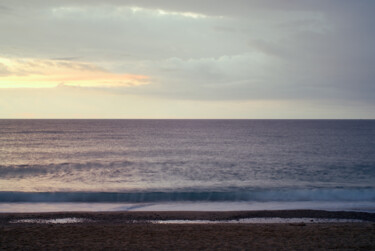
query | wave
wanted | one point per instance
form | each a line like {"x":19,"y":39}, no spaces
{"x":21,"y":171}
{"x":282,"y":195}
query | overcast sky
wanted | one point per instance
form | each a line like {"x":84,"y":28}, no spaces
{"x":187,"y":59}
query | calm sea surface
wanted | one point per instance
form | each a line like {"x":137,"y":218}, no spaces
{"x":187,"y":160}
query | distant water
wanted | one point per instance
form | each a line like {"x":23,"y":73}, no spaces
{"x":157,"y":161}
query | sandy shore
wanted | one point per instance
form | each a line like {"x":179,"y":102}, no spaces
{"x":133,"y":231}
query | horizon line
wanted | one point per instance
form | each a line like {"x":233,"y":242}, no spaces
{"x":187,"y":118}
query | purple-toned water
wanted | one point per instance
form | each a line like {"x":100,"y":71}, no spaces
{"x":187,"y":161}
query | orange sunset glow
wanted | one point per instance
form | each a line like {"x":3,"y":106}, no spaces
{"x":42,"y":73}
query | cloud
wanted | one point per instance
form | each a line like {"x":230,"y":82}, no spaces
{"x":259,"y":75}
{"x":41,"y":73}
{"x":66,"y":58}
{"x":206,"y":7}
{"x":4,"y":9}
{"x":210,"y":50}
{"x":4,"y":71}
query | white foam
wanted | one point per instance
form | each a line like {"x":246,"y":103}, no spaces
{"x":51,"y":221}
{"x":272,"y":220}
{"x":255,"y":206}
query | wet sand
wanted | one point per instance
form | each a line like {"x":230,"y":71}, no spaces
{"x":133,"y":231}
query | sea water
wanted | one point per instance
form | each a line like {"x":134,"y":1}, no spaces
{"x":187,"y":164}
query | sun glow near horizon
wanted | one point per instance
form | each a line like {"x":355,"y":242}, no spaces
{"x":45,"y":73}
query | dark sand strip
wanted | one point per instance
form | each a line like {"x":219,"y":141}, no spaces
{"x":130,"y":216}
{"x":116,"y":231}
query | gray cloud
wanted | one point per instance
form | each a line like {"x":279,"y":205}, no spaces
{"x":209,"y":7}
{"x":4,"y":9}
{"x":235,"y":50}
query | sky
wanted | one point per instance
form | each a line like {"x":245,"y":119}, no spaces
{"x":171,"y":59}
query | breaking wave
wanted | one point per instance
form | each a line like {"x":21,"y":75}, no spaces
{"x":321,"y":194}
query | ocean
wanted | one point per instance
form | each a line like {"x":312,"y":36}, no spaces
{"x":110,"y":165}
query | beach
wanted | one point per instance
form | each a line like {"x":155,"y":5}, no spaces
{"x":138,"y":231}
{"x":187,"y":185}
{"x":187,"y":125}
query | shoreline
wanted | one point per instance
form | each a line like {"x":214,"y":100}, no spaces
{"x":144,"y":216}
{"x":136,"y":231}
{"x":133,"y":231}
